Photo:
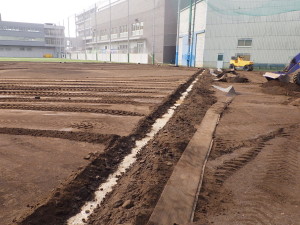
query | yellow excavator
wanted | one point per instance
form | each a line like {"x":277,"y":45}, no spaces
{"x":240,"y":63}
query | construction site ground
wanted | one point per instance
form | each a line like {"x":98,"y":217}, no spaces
{"x":65,"y":127}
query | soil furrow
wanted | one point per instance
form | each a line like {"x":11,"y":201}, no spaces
{"x":74,"y":136}
{"x":69,"y":109}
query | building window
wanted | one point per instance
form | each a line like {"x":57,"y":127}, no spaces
{"x":22,"y":49}
{"x":140,"y":47}
{"x":220,"y":57}
{"x":137,"y":28}
{"x":245,"y":56}
{"x":245,"y":42}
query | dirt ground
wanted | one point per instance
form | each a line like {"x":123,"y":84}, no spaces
{"x":66,"y":127}
{"x":57,"y":118}
{"x":253,"y":173}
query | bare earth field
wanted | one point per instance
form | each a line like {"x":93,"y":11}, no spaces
{"x":55,"y":118}
{"x":65,"y":127}
{"x":253,"y":173}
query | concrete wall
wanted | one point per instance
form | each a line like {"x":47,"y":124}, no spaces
{"x":28,"y":52}
{"x":121,"y":58}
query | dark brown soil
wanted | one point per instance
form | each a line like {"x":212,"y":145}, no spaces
{"x":144,"y":182}
{"x":280,"y":88}
{"x":74,"y":136}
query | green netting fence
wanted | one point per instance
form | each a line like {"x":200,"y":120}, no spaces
{"x":253,"y":7}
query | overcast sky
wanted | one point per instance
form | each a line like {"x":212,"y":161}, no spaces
{"x":41,"y":11}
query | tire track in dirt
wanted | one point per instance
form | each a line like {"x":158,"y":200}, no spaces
{"x":259,"y":205}
{"x":69,"y":109}
{"x":70,"y":135}
{"x":281,"y":172}
{"x":249,"y":149}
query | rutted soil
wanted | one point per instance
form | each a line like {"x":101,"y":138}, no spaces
{"x":252,"y":175}
{"x":67,"y":200}
{"x":109,"y":114}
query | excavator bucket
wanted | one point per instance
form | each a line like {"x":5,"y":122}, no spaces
{"x":283,"y":77}
{"x":290,"y":74}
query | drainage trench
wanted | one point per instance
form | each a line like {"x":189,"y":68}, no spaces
{"x":106,"y":187}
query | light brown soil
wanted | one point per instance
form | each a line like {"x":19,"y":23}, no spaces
{"x":33,"y":166}
{"x":53,"y":115}
{"x":252,"y":176}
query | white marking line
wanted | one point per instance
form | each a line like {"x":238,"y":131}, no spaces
{"x":112,"y":180}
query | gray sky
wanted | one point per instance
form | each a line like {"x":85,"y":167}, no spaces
{"x":41,"y":11}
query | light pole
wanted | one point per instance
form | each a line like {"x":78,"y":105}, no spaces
{"x":128,"y":42}
{"x":177,"y":37}
{"x":190,"y":35}
{"x":153,"y":31}
{"x":193,"y":35}
{"x":110,"y":30}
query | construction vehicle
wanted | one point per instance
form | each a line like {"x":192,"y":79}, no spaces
{"x":240,"y":63}
{"x":291,"y":73}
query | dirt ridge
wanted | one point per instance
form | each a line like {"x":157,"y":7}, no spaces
{"x":70,"y":135}
{"x":69,"y":109}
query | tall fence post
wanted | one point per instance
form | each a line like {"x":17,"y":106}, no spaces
{"x":177,"y":36}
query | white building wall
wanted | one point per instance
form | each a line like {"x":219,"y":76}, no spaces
{"x":200,"y":44}
{"x":275,"y":38}
{"x":201,"y":13}
{"x":184,"y":22}
{"x":198,"y":35}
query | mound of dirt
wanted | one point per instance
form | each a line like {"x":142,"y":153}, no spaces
{"x":237,"y":79}
{"x":275,"y":87}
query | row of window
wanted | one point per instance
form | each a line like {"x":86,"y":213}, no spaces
{"x":54,"y":32}
{"x":123,"y":48}
{"x":21,"y":49}
{"x":14,"y":38}
{"x":25,"y":49}
{"x":54,"y":41}
{"x":245,"y":42}
{"x":122,"y":29}
{"x":17,"y":28}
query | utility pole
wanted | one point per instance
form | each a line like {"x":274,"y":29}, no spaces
{"x":177,"y":37}
{"x":128,"y":41}
{"x":84,"y":31}
{"x":69,"y":43}
{"x":153,"y":31}
{"x":193,"y":34}
{"x":110,"y":30}
{"x":95,"y":33}
{"x":190,"y":34}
